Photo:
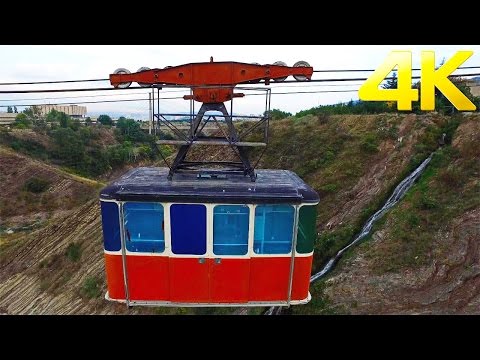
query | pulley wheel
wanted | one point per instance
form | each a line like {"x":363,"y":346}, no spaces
{"x":143,"y":68}
{"x":123,"y":71}
{"x":301,"y":64}
{"x":280,"y":63}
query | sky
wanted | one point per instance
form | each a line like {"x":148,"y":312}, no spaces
{"x":24,"y":63}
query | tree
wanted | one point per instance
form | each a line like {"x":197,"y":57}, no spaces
{"x":391,"y":83}
{"x":105,"y":120}
{"x":278,"y":114}
{"x":9,"y":110}
{"x":442,"y":104}
{"x":129,"y":130}
{"x":15,"y":110}
{"x":88,"y":121}
{"x":60,"y":117}
{"x":22,"y":121}
{"x":34,"y":114}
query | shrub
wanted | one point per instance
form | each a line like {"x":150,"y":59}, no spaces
{"x":369,"y":144}
{"x":36,"y":185}
{"x":73,"y":252}
{"x":91,"y":288}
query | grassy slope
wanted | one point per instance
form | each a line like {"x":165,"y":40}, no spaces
{"x":414,"y":241}
{"x":353,"y":161}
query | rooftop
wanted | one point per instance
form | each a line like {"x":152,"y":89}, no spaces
{"x":151,"y":184}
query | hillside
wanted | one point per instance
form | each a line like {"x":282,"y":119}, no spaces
{"x":423,"y":257}
{"x":32,"y":191}
{"x":352,"y":161}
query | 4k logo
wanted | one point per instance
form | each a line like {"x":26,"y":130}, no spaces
{"x":429,"y":79}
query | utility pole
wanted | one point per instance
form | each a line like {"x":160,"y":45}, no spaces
{"x":150,"y":114}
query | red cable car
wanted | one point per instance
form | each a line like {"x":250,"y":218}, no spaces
{"x":190,"y":236}
{"x":208,"y":240}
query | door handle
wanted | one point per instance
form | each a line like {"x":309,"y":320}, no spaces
{"x":218,"y":260}
{"x":201,"y":260}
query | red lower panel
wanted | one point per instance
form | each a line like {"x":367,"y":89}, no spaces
{"x":189,"y":280}
{"x":148,"y":278}
{"x":158,"y":278}
{"x":229,"y":280}
{"x":114,"y":272}
{"x":301,"y":277}
{"x":269,"y":278}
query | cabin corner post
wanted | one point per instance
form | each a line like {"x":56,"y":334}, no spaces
{"x":124,"y":254}
{"x":292,"y":258}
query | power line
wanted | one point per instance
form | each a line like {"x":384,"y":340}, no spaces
{"x":366,"y":70}
{"x":63,"y":90}
{"x":92,"y":102}
{"x":184,"y":86}
{"x":52,"y":82}
{"x":364,"y":79}
{"x":178,"y":97}
{"x":89,"y":96}
{"x":107,"y":79}
{"x":168,"y":91}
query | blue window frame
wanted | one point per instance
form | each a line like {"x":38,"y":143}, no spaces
{"x":273,"y":229}
{"x":230,"y":229}
{"x":110,"y":226}
{"x":188,"y":224}
{"x":144,"y":227}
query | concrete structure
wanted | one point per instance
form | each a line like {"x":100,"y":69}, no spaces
{"x":7,"y":118}
{"x":474,"y":85}
{"x":74,"y":111}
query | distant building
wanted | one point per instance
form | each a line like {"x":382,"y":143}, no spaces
{"x":7,"y":118}
{"x":474,"y":85}
{"x":74,"y":111}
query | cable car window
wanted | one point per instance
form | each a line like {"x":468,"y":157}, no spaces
{"x":273,"y":229}
{"x":144,"y":227}
{"x":230,"y":229}
{"x":110,"y":226}
{"x":188,"y":224}
{"x":306,"y":229}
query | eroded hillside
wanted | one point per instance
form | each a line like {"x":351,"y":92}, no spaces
{"x":423,"y":257}
{"x":352,"y":161}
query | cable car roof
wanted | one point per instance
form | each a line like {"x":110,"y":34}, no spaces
{"x":151,"y":184}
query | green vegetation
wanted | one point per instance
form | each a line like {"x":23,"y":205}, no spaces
{"x":80,"y":149}
{"x":351,"y":107}
{"x":448,"y":188}
{"x":279,"y":114}
{"x":442,"y":104}
{"x":22,"y":121}
{"x":320,"y":303}
{"x":73,"y":252}
{"x":36,"y":185}
{"x":91,"y":288}
{"x":332,"y":153}
{"x":105,"y":120}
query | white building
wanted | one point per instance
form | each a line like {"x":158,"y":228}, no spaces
{"x":75,"y":111}
{"x":7,"y":118}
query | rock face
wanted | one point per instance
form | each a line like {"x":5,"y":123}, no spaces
{"x":37,"y":277}
{"x":448,"y":282}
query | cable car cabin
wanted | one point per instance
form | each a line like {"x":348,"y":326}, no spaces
{"x":208,"y":239}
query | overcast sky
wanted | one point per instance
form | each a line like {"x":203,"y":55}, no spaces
{"x":22,"y":63}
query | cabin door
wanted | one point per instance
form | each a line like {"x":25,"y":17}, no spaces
{"x":189,"y":266}
{"x":230,"y":264}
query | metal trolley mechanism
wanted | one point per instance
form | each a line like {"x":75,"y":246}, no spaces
{"x":212,"y":84}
